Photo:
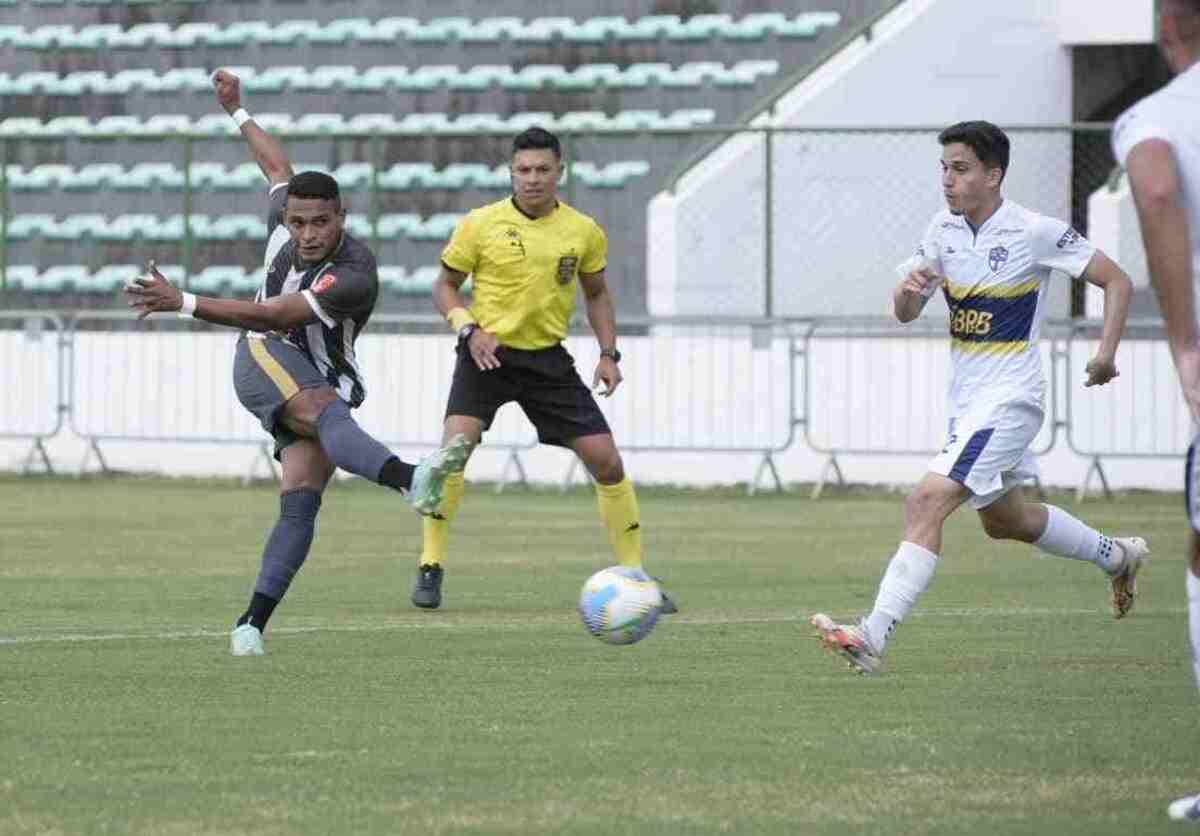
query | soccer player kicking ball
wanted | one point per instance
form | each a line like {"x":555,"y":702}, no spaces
{"x":527,"y":253}
{"x":1158,"y":142}
{"x":295,"y":367}
{"x":991,"y":258}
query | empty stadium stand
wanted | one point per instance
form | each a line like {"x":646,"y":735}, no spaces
{"x":411,"y":105}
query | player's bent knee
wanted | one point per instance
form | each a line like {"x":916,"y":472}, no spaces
{"x":302,"y":410}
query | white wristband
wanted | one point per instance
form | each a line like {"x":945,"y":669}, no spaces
{"x":188,"y":306}
{"x":240,"y":116}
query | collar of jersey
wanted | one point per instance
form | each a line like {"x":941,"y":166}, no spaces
{"x":517,"y":206}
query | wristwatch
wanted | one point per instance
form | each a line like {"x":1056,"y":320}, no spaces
{"x":466,"y":331}
{"x":611,"y":353}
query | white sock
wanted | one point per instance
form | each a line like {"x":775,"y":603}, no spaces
{"x":907,"y":576}
{"x":1193,"y":594}
{"x":1066,"y":536}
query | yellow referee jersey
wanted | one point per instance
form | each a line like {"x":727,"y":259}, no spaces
{"x":525,"y":269}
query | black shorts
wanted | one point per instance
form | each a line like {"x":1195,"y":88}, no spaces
{"x":267,"y":373}
{"x":544,"y":384}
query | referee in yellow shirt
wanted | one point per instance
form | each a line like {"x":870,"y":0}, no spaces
{"x":526,"y":254}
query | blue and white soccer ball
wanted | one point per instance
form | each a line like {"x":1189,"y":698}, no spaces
{"x":620,"y":605}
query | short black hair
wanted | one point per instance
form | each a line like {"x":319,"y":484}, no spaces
{"x":537,"y":138}
{"x":314,"y":185}
{"x":988,"y":142}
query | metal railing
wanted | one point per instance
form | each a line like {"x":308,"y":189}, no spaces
{"x":841,"y":387}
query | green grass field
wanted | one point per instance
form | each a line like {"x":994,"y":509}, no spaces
{"x":1013,"y":702}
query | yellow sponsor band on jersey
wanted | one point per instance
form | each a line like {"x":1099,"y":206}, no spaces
{"x":278,"y":374}
{"x":963,"y":291}
{"x":982,"y":347}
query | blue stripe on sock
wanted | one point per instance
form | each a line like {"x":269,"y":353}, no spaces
{"x":969,"y":455}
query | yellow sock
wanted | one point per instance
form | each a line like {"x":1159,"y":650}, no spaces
{"x":619,"y":510}
{"x":436,"y":527}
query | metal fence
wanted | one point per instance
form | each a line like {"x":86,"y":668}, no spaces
{"x":33,"y":376}
{"x":839,"y":387}
{"x":774,"y":221}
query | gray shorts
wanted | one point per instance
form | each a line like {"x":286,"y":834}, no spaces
{"x":267,"y":373}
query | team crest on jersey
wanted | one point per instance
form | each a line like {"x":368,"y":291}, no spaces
{"x":324,"y":283}
{"x":1068,"y":238}
{"x":997,"y":257}
{"x":566,"y":268}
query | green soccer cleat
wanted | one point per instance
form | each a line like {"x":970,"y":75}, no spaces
{"x":246,"y":640}
{"x":1124,"y":580}
{"x":428,"y":482}
{"x":848,"y":641}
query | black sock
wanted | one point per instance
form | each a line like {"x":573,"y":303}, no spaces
{"x":261,"y":607}
{"x":397,"y":473}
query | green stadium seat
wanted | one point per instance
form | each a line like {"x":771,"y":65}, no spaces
{"x":746,"y":73}
{"x":492,"y":30}
{"x":93,"y":177}
{"x":700,"y":27}
{"x":642,"y":75}
{"x":389,"y":30}
{"x":341,"y":31}
{"x":545,"y":29}
{"x":436,"y":227}
{"x":62,"y":278}
{"x":238,"y":34}
{"x":40,"y":178}
{"x":596,"y":30}
{"x":246,"y":284}
{"x":397,"y":225}
{"x":808,"y":25}
{"x":590,"y":77}
{"x":402,"y":176}
{"x":370,"y":123}
{"x":689,"y":118}
{"x":584,"y":120}
{"x":229,"y":228}
{"x":190,"y":35}
{"x":327,"y":78}
{"x":216,"y":279}
{"x":127,"y":228}
{"x":377,"y":79}
{"x":534,"y":77}
{"x":108,"y":279}
{"x":440,"y":30}
{"x":272,"y":79}
{"x":421,"y":280}
{"x":481,"y":122}
{"x":147,"y":176}
{"x":755,"y":27}
{"x":139,"y":36}
{"x":358,"y":225}
{"x":482,"y":77}
{"x":651,"y":28}
{"x":21,"y":277}
{"x":391,"y":278}
{"x":12,"y":35}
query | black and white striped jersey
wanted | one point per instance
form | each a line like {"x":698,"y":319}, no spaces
{"x":341,"y":290}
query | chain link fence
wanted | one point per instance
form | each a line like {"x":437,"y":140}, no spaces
{"x":771,"y":222}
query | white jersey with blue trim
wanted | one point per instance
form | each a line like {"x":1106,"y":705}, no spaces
{"x":1172,"y":114}
{"x":993,"y":282}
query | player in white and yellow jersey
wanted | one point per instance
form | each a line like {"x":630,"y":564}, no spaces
{"x":992,"y":259}
{"x":1158,"y":142}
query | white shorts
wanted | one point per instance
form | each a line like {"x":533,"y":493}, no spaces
{"x":987,"y":449}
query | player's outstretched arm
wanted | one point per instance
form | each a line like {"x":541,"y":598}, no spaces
{"x":267,"y":150}
{"x":604,"y":323}
{"x":1154,"y":176}
{"x":152,"y":293}
{"x":1107,"y":275}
